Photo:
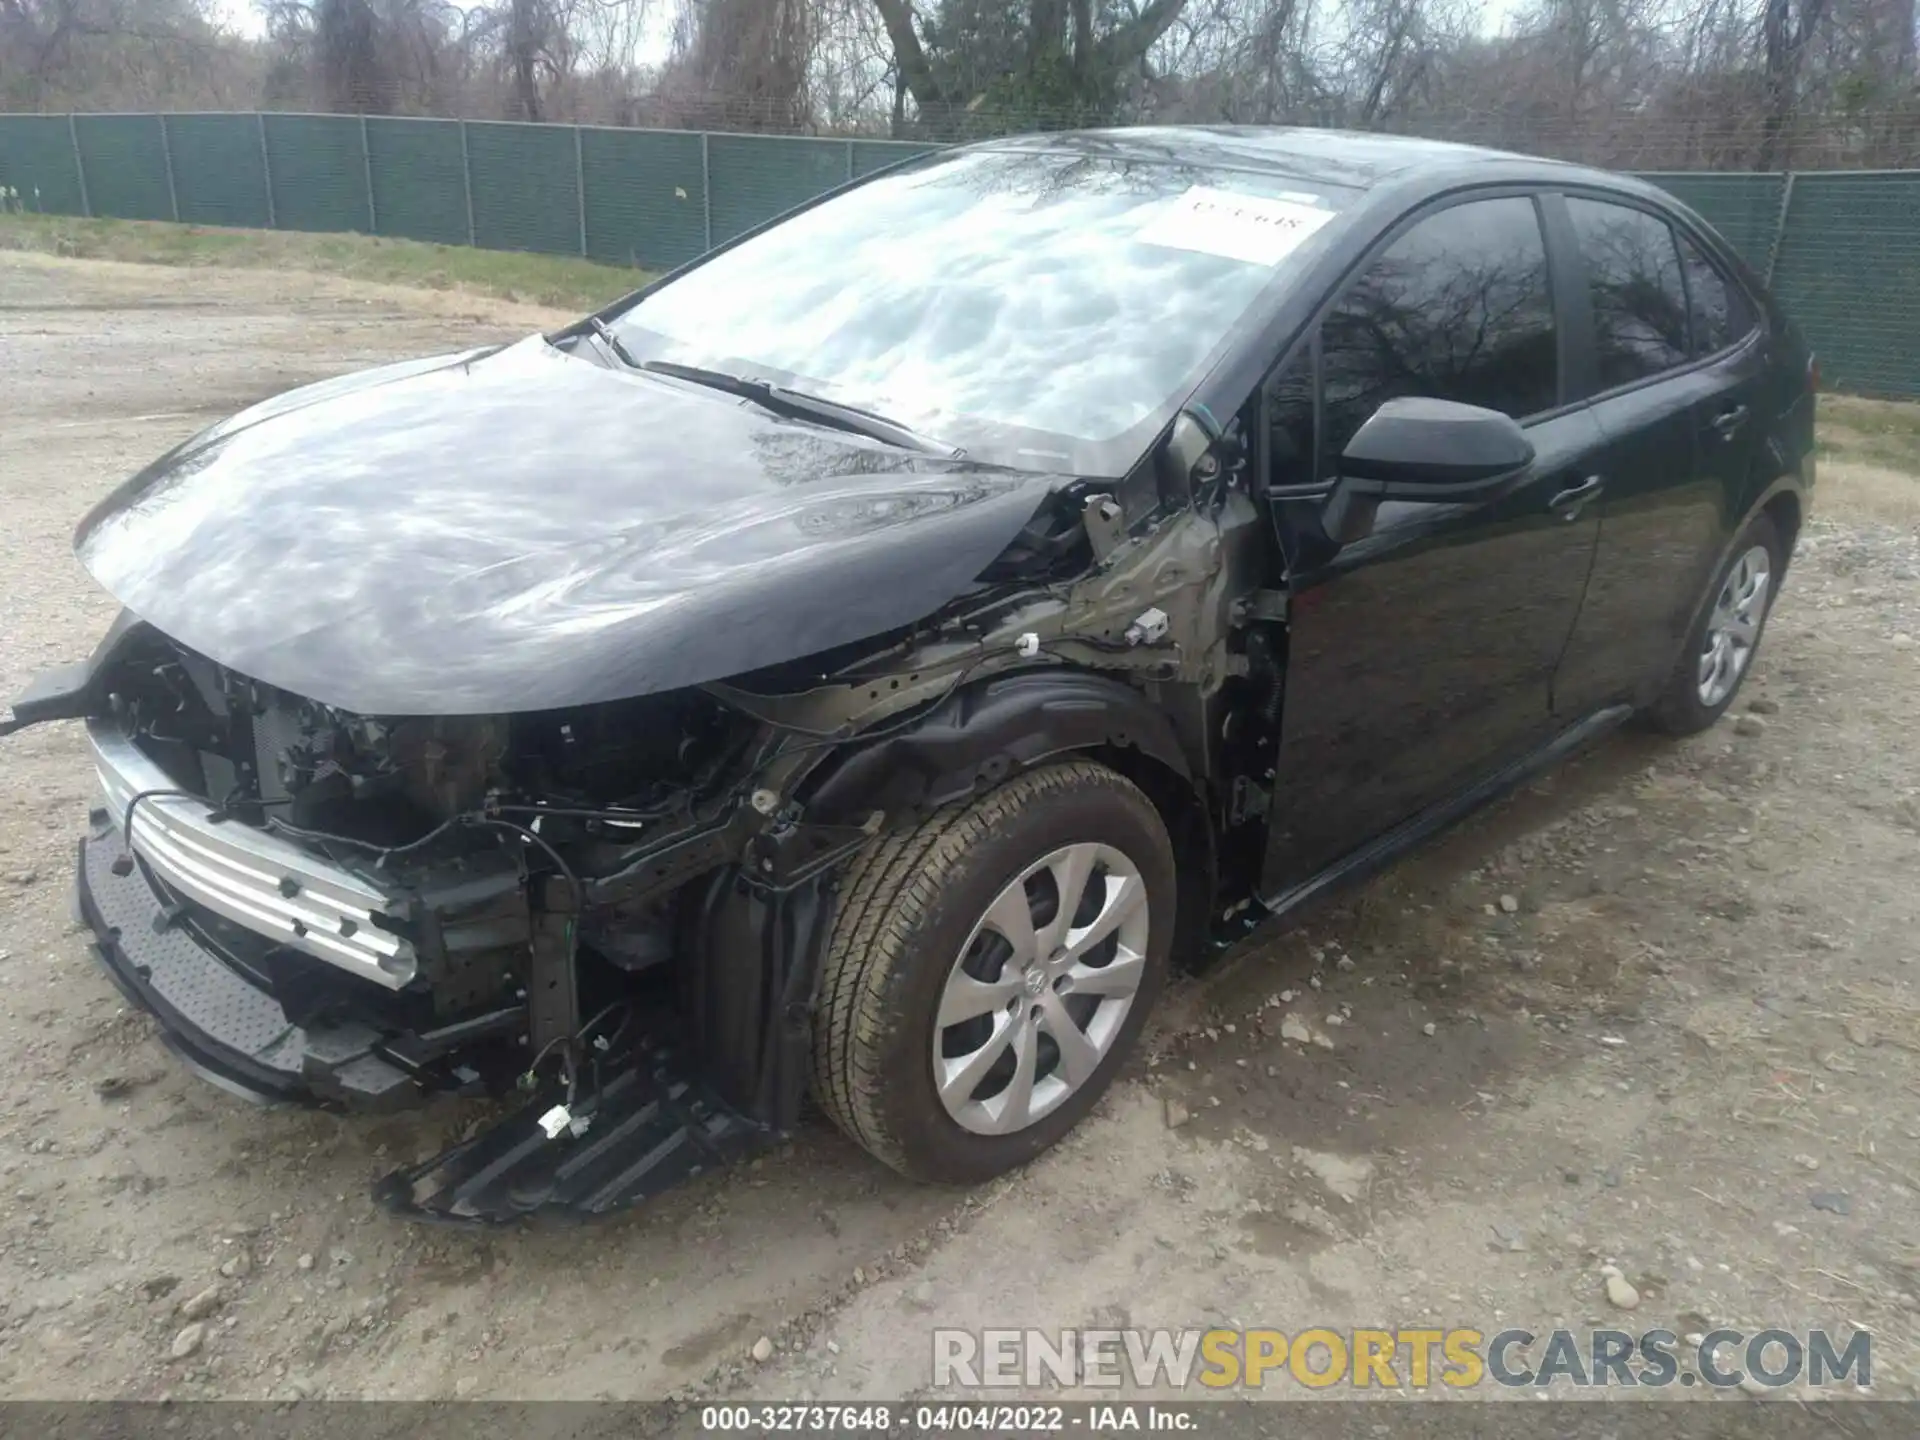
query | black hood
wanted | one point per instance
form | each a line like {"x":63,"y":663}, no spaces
{"x":522,"y":529}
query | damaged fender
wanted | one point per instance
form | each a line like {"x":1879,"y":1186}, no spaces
{"x":986,"y":732}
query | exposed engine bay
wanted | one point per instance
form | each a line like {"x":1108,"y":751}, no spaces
{"x":305,"y":768}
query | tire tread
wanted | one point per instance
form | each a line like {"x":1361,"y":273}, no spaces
{"x":886,"y":895}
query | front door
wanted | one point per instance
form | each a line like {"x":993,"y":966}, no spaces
{"x":1420,"y":657}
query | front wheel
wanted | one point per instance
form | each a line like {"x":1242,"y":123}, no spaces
{"x":988,"y":970}
{"x":1726,"y":636}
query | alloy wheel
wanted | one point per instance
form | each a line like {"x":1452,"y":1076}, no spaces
{"x":1733,"y":628}
{"x":1041,"y":988}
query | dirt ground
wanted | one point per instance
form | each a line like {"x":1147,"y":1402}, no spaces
{"x":1660,"y":1009}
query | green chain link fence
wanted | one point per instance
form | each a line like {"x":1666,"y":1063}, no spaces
{"x":1841,"y":248}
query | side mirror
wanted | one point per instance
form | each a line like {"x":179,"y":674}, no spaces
{"x":1434,"y":450}
{"x":1417,"y":450}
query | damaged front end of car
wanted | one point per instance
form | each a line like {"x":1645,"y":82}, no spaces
{"x":611,"y":914}
{"x":360,"y":913}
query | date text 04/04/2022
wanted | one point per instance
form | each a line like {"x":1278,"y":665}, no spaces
{"x":944,"y":1419}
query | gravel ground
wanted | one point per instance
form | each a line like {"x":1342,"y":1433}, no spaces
{"x":1660,"y":1009}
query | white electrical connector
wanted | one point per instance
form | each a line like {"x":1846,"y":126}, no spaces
{"x":1149,"y":627}
{"x":560,"y":1118}
{"x":1028,"y":645}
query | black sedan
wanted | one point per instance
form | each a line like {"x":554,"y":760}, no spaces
{"x":861,"y":663}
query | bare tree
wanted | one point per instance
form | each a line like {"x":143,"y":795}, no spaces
{"x":1052,"y":58}
{"x":108,"y":53}
{"x":1786,"y":27}
{"x":754,"y":54}
{"x":525,"y":41}
{"x":347,"y":46}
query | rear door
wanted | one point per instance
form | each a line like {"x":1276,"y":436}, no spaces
{"x":1419,"y":657}
{"x":1674,"y":361}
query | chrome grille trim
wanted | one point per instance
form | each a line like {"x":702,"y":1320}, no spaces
{"x":236,"y":871}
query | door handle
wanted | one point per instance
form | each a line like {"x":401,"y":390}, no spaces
{"x":1729,"y":421}
{"x":1569,"y":502}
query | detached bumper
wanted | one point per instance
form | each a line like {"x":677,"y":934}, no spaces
{"x":248,"y":876}
{"x":651,"y":1124}
{"x":228,"y":1027}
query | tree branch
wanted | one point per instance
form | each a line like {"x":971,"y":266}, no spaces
{"x":915,"y":70}
{"x":1128,"y":46}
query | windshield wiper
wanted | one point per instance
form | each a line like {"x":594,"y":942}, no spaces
{"x":799,"y":404}
{"x":612,"y":342}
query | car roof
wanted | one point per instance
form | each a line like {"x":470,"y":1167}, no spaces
{"x":1351,"y":159}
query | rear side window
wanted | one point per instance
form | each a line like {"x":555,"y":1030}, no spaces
{"x":1639,"y":303}
{"x":1718,"y":309}
{"x":1458,"y":308}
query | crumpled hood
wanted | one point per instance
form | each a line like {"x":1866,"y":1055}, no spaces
{"x":519,"y":529}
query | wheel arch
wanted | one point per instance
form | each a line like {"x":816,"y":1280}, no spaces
{"x":988,"y":732}
{"x":1782,"y":505}
{"x":1782,"y":500}
{"x":1785,"y":508}
{"x":1195,"y":845}
{"x":1779,"y":488}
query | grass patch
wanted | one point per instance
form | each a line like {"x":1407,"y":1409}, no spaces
{"x":1868,"y":452}
{"x":559,"y":281}
{"x":1873,"y":491}
{"x":1869,"y":432}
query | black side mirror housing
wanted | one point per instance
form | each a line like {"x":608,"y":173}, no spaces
{"x":1422,"y":451}
{"x":1418,"y":449}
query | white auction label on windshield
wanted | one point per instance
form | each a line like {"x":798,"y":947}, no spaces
{"x":1249,"y":228}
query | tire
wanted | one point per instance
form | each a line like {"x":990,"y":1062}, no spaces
{"x":914,"y":902}
{"x":1688,"y":704}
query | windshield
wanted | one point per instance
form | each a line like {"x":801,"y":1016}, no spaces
{"x":1040,"y":310}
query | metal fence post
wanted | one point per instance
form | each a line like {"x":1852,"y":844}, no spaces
{"x":266,"y":173}
{"x":580,"y":185}
{"x":466,"y":181}
{"x":706,"y":187}
{"x":849,"y":159}
{"x":366,"y":164}
{"x":79,"y":167}
{"x":166,"y":162}
{"x":1779,"y":228}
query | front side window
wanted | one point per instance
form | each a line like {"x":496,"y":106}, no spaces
{"x":1639,"y":303}
{"x":1045,"y":310}
{"x":1458,"y":308}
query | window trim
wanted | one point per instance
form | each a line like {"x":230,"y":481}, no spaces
{"x":1676,"y":226}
